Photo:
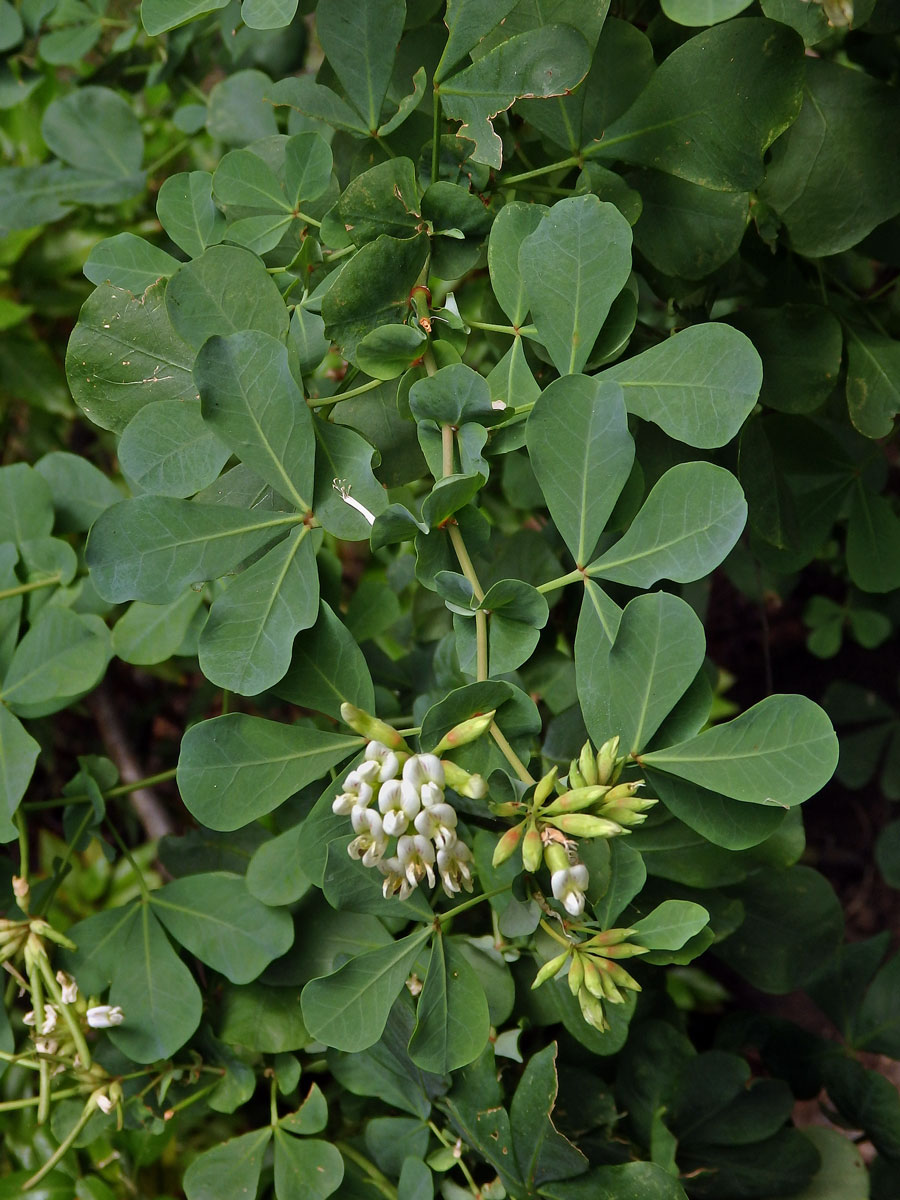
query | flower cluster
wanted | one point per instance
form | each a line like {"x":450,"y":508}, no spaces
{"x":396,"y":794}
{"x":591,"y":803}
{"x":594,"y":975}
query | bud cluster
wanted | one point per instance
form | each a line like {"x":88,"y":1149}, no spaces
{"x":594,"y":804}
{"x":595,"y":976}
{"x":395,"y":793}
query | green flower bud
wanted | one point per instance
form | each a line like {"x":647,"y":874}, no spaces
{"x":545,"y":787}
{"x":555,"y":857}
{"x":531,"y":848}
{"x":576,"y":800}
{"x":583,"y":825}
{"x":592,"y":1010}
{"x":623,"y":816}
{"x":609,"y":937}
{"x":508,"y":844}
{"x":607,"y":761}
{"x":625,"y":950}
{"x":370,"y":727}
{"x":623,"y":791}
{"x":465,"y":732}
{"x":620,"y":976}
{"x":576,"y":779}
{"x":576,"y":974}
{"x":549,"y":969}
{"x":464,"y":782}
{"x":587,"y":764}
{"x":592,"y":979}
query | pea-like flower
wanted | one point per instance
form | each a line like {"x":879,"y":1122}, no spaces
{"x":358,"y":790}
{"x":416,"y":855}
{"x":454,"y":866}
{"x":388,"y":762}
{"x":438,"y":822}
{"x":394,"y":878}
{"x":399,"y":803}
{"x":69,"y":987}
{"x":423,"y":768}
{"x":104,"y":1016}
{"x":568,"y":886}
{"x":371,"y":842}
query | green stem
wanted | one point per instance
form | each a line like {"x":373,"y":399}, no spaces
{"x":141,"y":882}
{"x":189,"y":1100}
{"x":308,"y":220}
{"x":471,"y":903}
{"x":381,"y":1182}
{"x":121,"y":789}
{"x":30,"y":1101}
{"x":169,"y":154}
{"x":23,"y":845}
{"x":273,"y":1102}
{"x":226,"y":702}
{"x":489,"y":327}
{"x":60,"y":872}
{"x":576,"y":576}
{"x":557,"y":937}
{"x":435,"y":133}
{"x":19,"y":1059}
{"x":322,"y":401}
{"x":23,"y":588}
{"x":65,"y":1011}
{"x":510,"y":755}
{"x":548,"y":169}
{"x":64,"y":1145}
{"x":468,"y":569}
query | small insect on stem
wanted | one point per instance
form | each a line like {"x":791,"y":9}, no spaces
{"x":341,"y":486}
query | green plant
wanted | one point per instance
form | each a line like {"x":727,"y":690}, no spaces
{"x":441,"y":381}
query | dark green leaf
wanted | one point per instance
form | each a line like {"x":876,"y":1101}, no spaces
{"x":452,"y":1022}
{"x":360,"y":44}
{"x":800,"y":347}
{"x":306,"y":1165}
{"x":187,"y":213}
{"x":129,"y":262}
{"x":167,"y":450}
{"x":233,"y":1165}
{"x":225,"y":290}
{"x":327,"y":669}
{"x":873,"y":368}
{"x":62,"y":656}
{"x":542,"y":1152}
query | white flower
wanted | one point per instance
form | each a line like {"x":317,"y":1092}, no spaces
{"x":387,"y":760}
{"x":104,"y":1103}
{"x":416,"y":856}
{"x":438,"y":822}
{"x":104,"y":1016}
{"x":423,"y":768}
{"x":358,"y":791}
{"x":568,"y":887}
{"x":69,"y":987}
{"x":46,"y":1046}
{"x":453,"y":864}
{"x":399,"y":803}
{"x":431,"y":794}
{"x":50,"y":1018}
{"x":372,"y":841}
{"x":394,"y":878}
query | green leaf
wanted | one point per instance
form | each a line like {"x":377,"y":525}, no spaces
{"x":699,"y":386}
{"x":373,"y":289}
{"x":215,"y":917}
{"x":658,"y":648}
{"x":344,"y":460}
{"x":581,"y":451}
{"x":62,"y":656}
{"x":452,"y":396}
{"x":702,"y":12}
{"x":129,"y":262}
{"x":792,"y":924}
{"x":18,"y":754}
{"x":233,"y":1166}
{"x":512,"y":225}
{"x":800,"y":347}
{"x":382,"y":200}
{"x":80,"y":492}
{"x":156,"y":991}
{"x":547,"y":61}
{"x":123,"y":353}
{"x":266,"y":1019}
{"x":716,"y":104}
{"x":670,"y":925}
{"x":360,"y":44}
{"x":873,"y":368}
{"x":168,"y":450}
{"x":150,"y":633}
{"x":187,"y":213}
{"x":634,"y":1180}
{"x":153,"y":548}
{"x":252,"y":402}
{"x":627,"y":875}
{"x":684,"y":230}
{"x":542,"y":1152}
{"x":274,"y":874}
{"x":268,"y":14}
{"x":574,"y":265}
{"x":842,"y":1171}
{"x":246,"y":642}
{"x":327,"y":669}
{"x":312,"y":1115}
{"x":26,"y":504}
{"x":349,"y":1008}
{"x":348,"y":885}
{"x":69,"y":128}
{"x":873,"y":542}
{"x":225,"y":290}
{"x":846,"y":123}
{"x":390,"y":350}
{"x":306,"y":1166}
{"x":780,"y":752}
{"x":452,"y":1021}
{"x":236,"y":768}
{"x":468,"y":21}
{"x":691,"y":519}
{"x":316,"y":101}
{"x":721,"y":820}
{"x":243,"y":178}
